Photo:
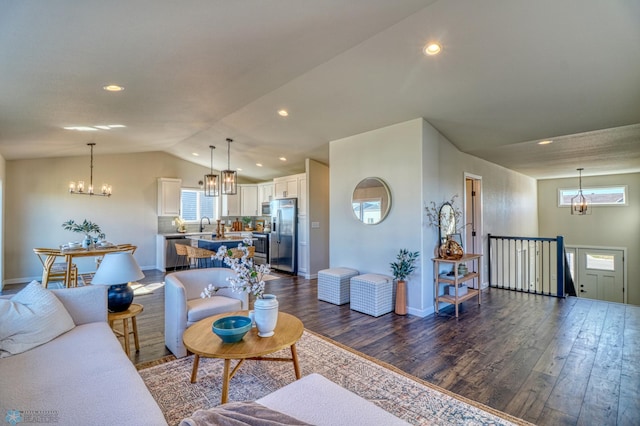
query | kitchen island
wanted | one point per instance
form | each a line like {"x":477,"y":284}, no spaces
{"x":166,"y":257}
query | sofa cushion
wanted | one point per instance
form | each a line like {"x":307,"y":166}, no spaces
{"x":32,"y":317}
{"x":198,"y":309}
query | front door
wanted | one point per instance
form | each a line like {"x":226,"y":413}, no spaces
{"x":601,"y":274}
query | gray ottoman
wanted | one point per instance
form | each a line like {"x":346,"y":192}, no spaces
{"x":372,"y":294}
{"x":333,"y":285}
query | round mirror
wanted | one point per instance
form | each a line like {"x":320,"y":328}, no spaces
{"x":447,"y":221}
{"x":371,"y":201}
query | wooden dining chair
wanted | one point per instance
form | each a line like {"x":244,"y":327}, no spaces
{"x":120,"y":247}
{"x":55,"y":271}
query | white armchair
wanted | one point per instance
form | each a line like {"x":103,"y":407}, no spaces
{"x":183,"y":305}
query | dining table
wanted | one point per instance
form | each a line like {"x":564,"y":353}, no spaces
{"x":93,"y":251}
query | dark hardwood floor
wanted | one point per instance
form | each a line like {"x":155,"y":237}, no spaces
{"x":549,"y":361}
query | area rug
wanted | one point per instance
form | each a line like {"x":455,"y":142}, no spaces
{"x":407,"y":397}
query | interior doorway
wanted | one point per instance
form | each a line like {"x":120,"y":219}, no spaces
{"x":472,"y":232}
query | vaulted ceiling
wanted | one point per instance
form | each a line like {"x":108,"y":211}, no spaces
{"x":195,"y":72}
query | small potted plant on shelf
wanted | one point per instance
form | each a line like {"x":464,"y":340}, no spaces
{"x":87,"y":228}
{"x":247,"y":223}
{"x":404,"y":265}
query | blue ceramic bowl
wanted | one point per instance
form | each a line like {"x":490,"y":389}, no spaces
{"x":232,"y":329}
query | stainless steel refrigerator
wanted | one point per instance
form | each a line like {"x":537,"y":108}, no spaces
{"x":284,"y":238}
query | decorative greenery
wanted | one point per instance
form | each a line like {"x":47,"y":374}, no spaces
{"x":404,"y":264}
{"x":86,"y":227}
{"x":246,"y":220}
{"x":433,"y":211}
{"x":249,"y":277}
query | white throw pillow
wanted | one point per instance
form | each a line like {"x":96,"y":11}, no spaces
{"x":31,"y":318}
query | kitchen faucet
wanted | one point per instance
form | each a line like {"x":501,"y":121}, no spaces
{"x":201,"y":226}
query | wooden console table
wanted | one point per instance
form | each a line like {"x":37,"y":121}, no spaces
{"x":456,"y":280}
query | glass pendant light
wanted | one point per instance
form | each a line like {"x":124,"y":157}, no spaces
{"x":579,"y":204}
{"x":79,"y":189}
{"x":229,"y":177}
{"x":211,"y":186}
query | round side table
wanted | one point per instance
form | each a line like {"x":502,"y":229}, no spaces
{"x":133,"y":310}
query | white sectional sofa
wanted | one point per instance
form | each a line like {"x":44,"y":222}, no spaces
{"x":183,"y":305}
{"x":82,"y":377}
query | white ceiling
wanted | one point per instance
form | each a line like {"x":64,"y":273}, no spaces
{"x":195,"y":72}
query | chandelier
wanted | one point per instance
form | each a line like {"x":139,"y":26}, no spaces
{"x":579,"y":203}
{"x":229,"y":177}
{"x":79,"y":189}
{"x":211,"y":181}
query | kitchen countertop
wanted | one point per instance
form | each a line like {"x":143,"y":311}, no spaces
{"x":209,"y":237}
{"x":191,"y":234}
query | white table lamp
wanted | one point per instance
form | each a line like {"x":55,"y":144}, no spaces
{"x":117,"y":270}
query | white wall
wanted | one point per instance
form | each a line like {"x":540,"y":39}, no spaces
{"x":617,"y":226}
{"x":318,"y":211}
{"x":37,"y":203}
{"x":420,"y":166}
{"x":3,"y":173}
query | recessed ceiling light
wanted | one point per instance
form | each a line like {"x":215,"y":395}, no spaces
{"x":81,"y":128}
{"x":432,"y":48}
{"x":239,"y":169}
{"x":547,"y":142}
{"x":95,"y":128}
{"x":283,"y":113}
{"x":283,"y":159}
{"x":113,"y":88}
{"x":195,"y":154}
{"x":258,"y":164}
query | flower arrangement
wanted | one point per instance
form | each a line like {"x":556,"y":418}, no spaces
{"x":182,"y":226}
{"x":405,"y":264}
{"x":433,"y":212}
{"x":86,"y":227}
{"x":249,"y":277}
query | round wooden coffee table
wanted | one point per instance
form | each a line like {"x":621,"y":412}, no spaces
{"x":201,"y":341}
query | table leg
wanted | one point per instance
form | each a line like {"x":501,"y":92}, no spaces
{"x":135,"y":333}
{"x":194,"y":372}
{"x":67,"y":273}
{"x":125,"y":326}
{"x":225,"y":381}
{"x":294,"y":358}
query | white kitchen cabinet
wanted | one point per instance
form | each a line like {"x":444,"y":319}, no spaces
{"x":169,"y":196}
{"x":302,"y":194}
{"x":265,"y":193}
{"x":288,"y":186}
{"x":230,"y":205}
{"x":248,"y":200}
{"x":285,"y":187}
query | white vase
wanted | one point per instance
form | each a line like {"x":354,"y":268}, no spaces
{"x":266,"y":315}
{"x":86,"y":243}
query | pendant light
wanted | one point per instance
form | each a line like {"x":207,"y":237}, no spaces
{"x":211,"y":186}
{"x":80,"y":190}
{"x":579,"y":204}
{"x":229,"y":177}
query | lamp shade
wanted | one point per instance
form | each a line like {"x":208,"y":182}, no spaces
{"x":116,"y":270}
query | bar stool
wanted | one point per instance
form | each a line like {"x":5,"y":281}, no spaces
{"x":182,"y":255}
{"x":199,"y":257}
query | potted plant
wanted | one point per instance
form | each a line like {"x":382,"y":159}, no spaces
{"x":247,"y":223}
{"x":404,"y":265}
{"x":86,"y":227}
